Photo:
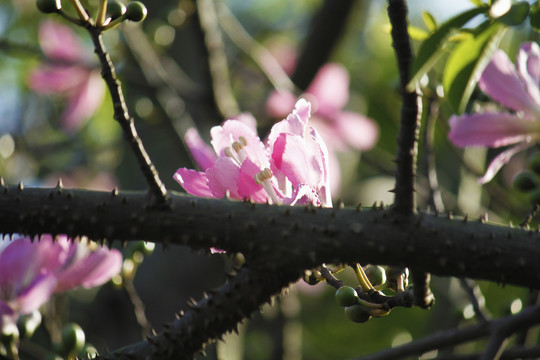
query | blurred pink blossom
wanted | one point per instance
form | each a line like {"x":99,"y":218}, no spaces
{"x":291,"y":168}
{"x":517,"y":88}
{"x":340,"y":129}
{"x":31,"y":272}
{"x":68,"y":72}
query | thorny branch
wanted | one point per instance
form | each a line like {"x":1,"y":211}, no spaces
{"x":121,"y":114}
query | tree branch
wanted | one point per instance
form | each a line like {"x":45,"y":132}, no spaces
{"x":219,"y":312}
{"x":278,"y":237}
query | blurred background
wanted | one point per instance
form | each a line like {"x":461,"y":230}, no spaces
{"x":62,"y":127}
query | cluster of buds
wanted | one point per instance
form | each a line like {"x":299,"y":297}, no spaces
{"x":110,"y":13}
{"x":372,"y":279}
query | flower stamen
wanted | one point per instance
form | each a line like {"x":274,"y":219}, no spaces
{"x":263,"y":178}
{"x":238,"y":155}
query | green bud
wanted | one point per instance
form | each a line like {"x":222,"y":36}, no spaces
{"x":358,"y":313}
{"x":49,"y":6}
{"x":73,"y":340}
{"x":534,"y":196}
{"x":27,"y":324}
{"x":533,"y":161}
{"x":136,"y":11}
{"x":534,"y":17}
{"x":517,"y":14}
{"x":525,"y":181}
{"x":346,"y":296}
{"x":376,"y":274}
{"x":115,"y":9}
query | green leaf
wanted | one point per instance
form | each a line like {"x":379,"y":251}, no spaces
{"x":466,"y":63}
{"x":430,"y":50}
{"x":430,"y":21}
{"x":417,"y":33}
{"x":478,"y":3}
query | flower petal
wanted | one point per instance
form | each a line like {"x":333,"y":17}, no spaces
{"x":95,"y":269}
{"x":223,"y":177}
{"x":323,"y":159}
{"x":247,"y":187}
{"x":501,"y":81}
{"x":56,"y":79}
{"x":36,"y":293}
{"x":194,"y":182}
{"x":231,"y":130}
{"x":330,"y":87}
{"x":357,"y":130}
{"x":295,"y":123}
{"x":303,"y":195}
{"x":292,"y":157}
{"x":279,"y":104}
{"x":528,"y":65}
{"x":59,"y":42}
{"x":202,"y":153}
{"x":500,"y":160}
{"x":491,"y":129}
{"x":84,"y":102}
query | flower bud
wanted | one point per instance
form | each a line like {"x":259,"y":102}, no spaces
{"x":27,"y":324}
{"x":525,"y":181}
{"x":115,"y":9}
{"x":136,"y":11}
{"x":346,"y":296}
{"x":49,"y":6}
{"x":376,"y":274}
{"x":358,"y":313}
{"x":73,"y":340}
{"x":533,"y":161}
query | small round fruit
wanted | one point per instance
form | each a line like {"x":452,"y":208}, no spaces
{"x":534,"y":160}
{"x":357,"y":313}
{"x":376,"y":274}
{"x":73,"y":339}
{"x":49,"y":6}
{"x":525,"y":181}
{"x":136,"y":11}
{"x":346,"y":296}
{"x":115,"y":9}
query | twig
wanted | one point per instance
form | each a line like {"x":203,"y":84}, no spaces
{"x":503,"y":327}
{"x":527,"y":221}
{"x":121,"y":114}
{"x":217,"y":59}
{"x":474,"y":293}
{"x":435,"y":198}
{"x":330,"y":278}
{"x":262,"y":57}
{"x":138,"y":306}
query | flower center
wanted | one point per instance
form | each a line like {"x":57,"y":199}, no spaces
{"x":236,"y":151}
{"x":264,"y":178}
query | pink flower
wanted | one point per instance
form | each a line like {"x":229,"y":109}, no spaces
{"x":30,"y":272}
{"x":291,"y":168}
{"x":68,"y":73}
{"x":515,"y":87}
{"x":329,"y":93}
